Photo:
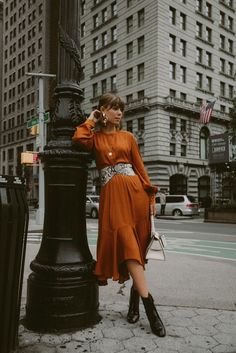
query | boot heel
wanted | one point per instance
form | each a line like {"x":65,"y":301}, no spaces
{"x":133,"y":313}
{"x":156,"y":324}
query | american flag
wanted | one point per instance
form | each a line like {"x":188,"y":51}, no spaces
{"x":206,"y":111}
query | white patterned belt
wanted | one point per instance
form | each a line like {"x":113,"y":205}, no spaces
{"x":120,"y":168}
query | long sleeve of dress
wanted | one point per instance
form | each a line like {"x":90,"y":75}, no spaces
{"x":84,"y":134}
{"x":141,"y":171}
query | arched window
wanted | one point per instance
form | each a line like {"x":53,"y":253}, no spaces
{"x":204,"y":143}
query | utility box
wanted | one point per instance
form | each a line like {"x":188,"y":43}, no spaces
{"x":14,"y":217}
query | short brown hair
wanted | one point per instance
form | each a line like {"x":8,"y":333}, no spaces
{"x":110,"y":100}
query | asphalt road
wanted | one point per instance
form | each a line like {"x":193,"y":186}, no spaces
{"x":200,"y":270}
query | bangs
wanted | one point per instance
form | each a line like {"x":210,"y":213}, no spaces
{"x":111,"y":101}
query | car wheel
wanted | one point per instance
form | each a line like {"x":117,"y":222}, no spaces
{"x":94,"y":213}
{"x":177,"y":212}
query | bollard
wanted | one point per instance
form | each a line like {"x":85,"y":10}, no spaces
{"x":14,"y":217}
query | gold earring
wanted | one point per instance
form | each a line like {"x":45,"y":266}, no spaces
{"x":104,"y":119}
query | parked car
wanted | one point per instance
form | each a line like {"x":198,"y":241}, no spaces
{"x":179,"y":205}
{"x":92,"y":205}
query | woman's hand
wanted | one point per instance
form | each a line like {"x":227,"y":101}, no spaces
{"x":153,"y":209}
{"x":95,"y":115}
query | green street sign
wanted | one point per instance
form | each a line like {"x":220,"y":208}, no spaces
{"x":35,"y":121}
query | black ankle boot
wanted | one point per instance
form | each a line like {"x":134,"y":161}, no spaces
{"x":133,"y":313}
{"x":154,"y":319}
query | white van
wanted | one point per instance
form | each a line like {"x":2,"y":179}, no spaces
{"x":179,"y":205}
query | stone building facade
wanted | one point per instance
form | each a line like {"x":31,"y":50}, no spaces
{"x":164,"y":58}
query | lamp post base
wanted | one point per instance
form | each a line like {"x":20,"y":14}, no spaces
{"x":66,"y":304}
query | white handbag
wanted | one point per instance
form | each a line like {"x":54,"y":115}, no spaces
{"x":155,"y":249}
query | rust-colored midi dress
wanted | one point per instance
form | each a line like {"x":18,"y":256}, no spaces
{"x":124,"y":209}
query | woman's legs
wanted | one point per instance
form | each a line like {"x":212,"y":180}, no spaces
{"x":137,"y":273}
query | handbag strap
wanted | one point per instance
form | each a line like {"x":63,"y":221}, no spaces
{"x":152,"y":224}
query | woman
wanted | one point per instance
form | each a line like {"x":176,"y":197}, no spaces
{"x":126,"y":200}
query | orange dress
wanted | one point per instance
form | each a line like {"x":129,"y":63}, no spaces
{"x":124,"y":208}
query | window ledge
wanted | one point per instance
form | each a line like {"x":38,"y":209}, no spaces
{"x":104,"y":23}
{"x":226,"y":5}
{"x":227,"y":29}
{"x":204,"y":66}
{"x":104,"y":47}
{"x":104,"y":71}
{"x":204,"y":41}
{"x":226,"y":75}
{"x":204,"y":91}
{"x":204,"y":16}
{"x":227,"y":52}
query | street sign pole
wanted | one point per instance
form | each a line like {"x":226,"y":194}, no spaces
{"x":41,"y":76}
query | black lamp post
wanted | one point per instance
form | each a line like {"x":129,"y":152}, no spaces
{"x":62,"y":291}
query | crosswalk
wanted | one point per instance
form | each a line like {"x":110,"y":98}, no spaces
{"x":184,"y":245}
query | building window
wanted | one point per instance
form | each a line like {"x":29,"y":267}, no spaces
{"x":82,"y":30}
{"x":230,"y":69}
{"x":95,"y":90}
{"x":82,"y":8}
{"x":199,"y":55}
{"x":129,"y":98}
{"x":129,"y":77}
{"x":199,"y":29}
{"x":104,"y":39}
{"x":172,"y":15}
{"x":230,"y":23}
{"x":129,"y":125}
{"x":222,"y":89}
{"x":141,"y":18}
{"x":172,"y":93}
{"x":183,"y":46}
{"x":231,"y":91}
{"x":222,"y":42}
{"x":141,"y":45}
{"x":129,"y":50}
{"x":104,"y":62}
{"x":183,"y":75}
{"x":129,"y":3}
{"x":141,"y":126}
{"x":129,"y":24}
{"x":141,"y":94}
{"x":113,"y":58}
{"x":222,"y":18}
{"x":203,"y":143}
{"x":172,"y":70}
{"x":183,"y":125}
{"x":113,"y":83}
{"x":199,"y":5}
{"x":208,"y":59}
{"x":172,"y":42}
{"x":183,"y":96}
{"x":95,"y":21}
{"x":208,"y":83}
{"x":113,"y":9}
{"x":113,"y":33}
{"x":104,"y":86}
{"x":183,"y":151}
{"x":208,"y":34}
{"x":222,"y":65}
{"x":182,"y":21}
{"x":199,"y":80}
{"x":172,"y":149}
{"x":172,"y":123}
{"x":104,"y":16}
{"x":231,"y":46}
{"x":95,"y":67}
{"x":208,"y":10}
{"x":141,"y":72}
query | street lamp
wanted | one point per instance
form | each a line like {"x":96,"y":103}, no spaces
{"x":62,"y":291}
{"x":42,"y":141}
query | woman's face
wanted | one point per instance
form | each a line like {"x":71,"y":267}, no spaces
{"x":113,"y":115}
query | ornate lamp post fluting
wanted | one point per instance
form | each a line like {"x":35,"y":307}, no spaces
{"x":62,"y":291}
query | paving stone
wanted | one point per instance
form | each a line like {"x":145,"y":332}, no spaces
{"x":204,"y":320}
{"x":118,"y":332}
{"x":117,"y":307}
{"x":185,"y":313}
{"x":175,"y":331}
{"x":106,"y":345}
{"x":168,"y":308}
{"x":228,"y":316}
{"x":180,"y":321}
{"x":224,"y":338}
{"x":205,"y":331}
{"x":223,"y":349}
{"x":201,"y":341}
{"x":28,"y":339}
{"x":88,"y":335}
{"x":160,"y":350}
{"x":38,"y":348}
{"x":210,"y":312}
{"x":142,"y":331}
{"x":72,"y":347}
{"x":139,"y":344}
{"x":170,"y":343}
{"x":55,"y":339}
{"x":226,"y":328}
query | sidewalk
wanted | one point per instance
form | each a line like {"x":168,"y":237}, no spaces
{"x":196,"y":325}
